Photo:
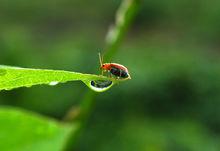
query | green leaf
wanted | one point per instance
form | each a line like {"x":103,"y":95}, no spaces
{"x":15,"y":77}
{"x":26,"y":131}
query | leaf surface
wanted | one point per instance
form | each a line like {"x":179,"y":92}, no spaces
{"x":25,"y":131}
{"x":15,"y":77}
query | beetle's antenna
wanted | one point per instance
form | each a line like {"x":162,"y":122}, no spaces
{"x":100,"y":59}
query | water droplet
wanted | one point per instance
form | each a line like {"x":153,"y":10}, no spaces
{"x":100,"y":85}
{"x":8,"y":89}
{"x":52,"y":83}
{"x":28,"y":86}
{"x":2,"y":72}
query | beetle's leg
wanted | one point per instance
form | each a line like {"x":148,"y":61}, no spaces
{"x":110,"y":75}
{"x":120,"y":73}
{"x":102,"y":72}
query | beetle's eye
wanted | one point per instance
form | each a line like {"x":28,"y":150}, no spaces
{"x":103,"y":65}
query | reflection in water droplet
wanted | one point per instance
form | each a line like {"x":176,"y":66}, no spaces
{"x":52,"y":83}
{"x":2,"y":72}
{"x":100,"y":85}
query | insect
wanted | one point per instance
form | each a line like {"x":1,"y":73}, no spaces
{"x":114,"y":69}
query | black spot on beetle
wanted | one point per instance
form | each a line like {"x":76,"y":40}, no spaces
{"x":119,"y":72}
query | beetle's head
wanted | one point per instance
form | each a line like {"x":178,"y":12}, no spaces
{"x":103,"y":66}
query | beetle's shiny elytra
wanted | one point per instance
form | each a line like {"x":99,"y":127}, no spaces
{"x":115,"y":69}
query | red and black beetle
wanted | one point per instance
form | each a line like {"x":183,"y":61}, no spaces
{"x":115,"y":69}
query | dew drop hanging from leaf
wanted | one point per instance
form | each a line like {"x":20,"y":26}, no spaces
{"x":99,"y":85}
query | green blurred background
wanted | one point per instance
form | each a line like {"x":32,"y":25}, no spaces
{"x":172,"y":53}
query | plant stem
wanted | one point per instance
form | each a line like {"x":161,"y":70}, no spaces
{"x":124,"y":17}
{"x":85,"y":109}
